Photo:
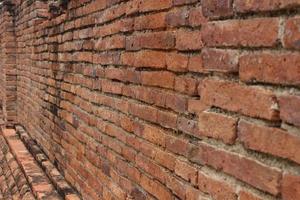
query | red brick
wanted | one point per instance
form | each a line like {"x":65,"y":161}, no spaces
{"x":187,"y":172}
{"x":217,"y":8}
{"x":197,"y":106}
{"x":196,"y":64}
{"x":186,"y":85}
{"x":220,"y":60}
{"x":167,"y":119}
{"x":196,"y":17}
{"x":244,"y":195}
{"x":154,"y":135}
{"x":145,"y":58}
{"x":155,"y":188}
{"x":177,"y":62}
{"x":251,"y":101}
{"x":290,"y":109}
{"x":218,"y":126}
{"x":188,"y":40}
{"x":149,"y":5}
{"x":218,"y":189}
{"x":158,"y":40}
{"x":278,"y":68}
{"x":151,"y":59}
{"x":114,"y":42}
{"x":177,"y":17}
{"x":195,"y":194}
{"x":291,"y":38}
{"x":183,"y":2}
{"x":246,"y":169}
{"x":187,"y":126}
{"x":84,"y":57}
{"x":290,"y":187}
{"x":270,"y":140}
{"x":151,"y":21}
{"x":132,"y":7}
{"x":269,"y":5}
{"x":165,"y":159}
{"x":162,"y":79}
{"x":257,"y":32}
{"x":150,"y":167}
{"x":176,"y":102}
{"x":177,"y":145}
{"x":144,"y":112}
{"x":177,"y":187}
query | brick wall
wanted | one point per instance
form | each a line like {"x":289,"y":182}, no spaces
{"x":8,"y":78}
{"x":165,"y":99}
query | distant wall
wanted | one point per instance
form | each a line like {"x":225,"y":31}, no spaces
{"x":162,"y":99}
{"x":8,"y":72}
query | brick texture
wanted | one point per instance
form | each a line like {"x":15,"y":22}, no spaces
{"x":166,"y":99}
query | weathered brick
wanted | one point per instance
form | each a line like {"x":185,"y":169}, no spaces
{"x":155,"y":188}
{"x":159,"y":40}
{"x":248,"y":170}
{"x":182,"y":2}
{"x":291,"y":38}
{"x":196,"y":64}
{"x":218,"y":189}
{"x":245,"y":195}
{"x":257,"y":32}
{"x":177,"y":62}
{"x":188,"y":40}
{"x":270,"y":140}
{"x":196,"y":17}
{"x":289,"y":109}
{"x":178,"y":17}
{"x":220,"y":60}
{"x":161,"y":79}
{"x":290,"y":187}
{"x":186,"y":171}
{"x":145,"y":58}
{"x":218,"y":126}
{"x":148,"y":5}
{"x":151,"y":21}
{"x":278,"y":68}
{"x":259,"y":6}
{"x":186,"y":85}
{"x":251,"y":101}
{"x":216,"y":8}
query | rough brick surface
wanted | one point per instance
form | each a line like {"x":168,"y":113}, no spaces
{"x":168,"y":99}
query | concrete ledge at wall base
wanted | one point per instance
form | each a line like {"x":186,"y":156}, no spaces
{"x":42,"y":179}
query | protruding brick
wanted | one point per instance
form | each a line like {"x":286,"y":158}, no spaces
{"x":256,"y":32}
{"x":251,"y":101}
{"x":246,"y":169}
{"x":270,"y":140}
